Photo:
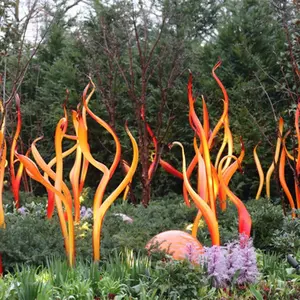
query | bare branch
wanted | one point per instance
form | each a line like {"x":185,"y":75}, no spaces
{"x":266,"y":93}
{"x":72,"y":5}
{"x":155,"y":43}
{"x":137,"y":39}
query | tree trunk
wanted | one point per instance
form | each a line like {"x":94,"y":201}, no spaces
{"x":144,"y":155}
{"x":146,"y":194}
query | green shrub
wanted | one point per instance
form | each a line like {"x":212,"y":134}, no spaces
{"x":177,"y":279}
{"x":30,"y":239}
{"x":286,"y":240}
{"x":162,"y":214}
{"x":266,"y":218}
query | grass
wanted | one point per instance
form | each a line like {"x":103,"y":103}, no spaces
{"x":126,"y":275}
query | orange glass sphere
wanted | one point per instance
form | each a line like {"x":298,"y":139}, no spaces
{"x":179,"y":244}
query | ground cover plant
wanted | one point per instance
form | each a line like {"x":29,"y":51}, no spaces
{"x":277,"y":278}
{"x":76,"y":220}
{"x":124,"y":275}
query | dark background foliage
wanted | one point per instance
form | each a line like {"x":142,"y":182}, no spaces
{"x":253,"y":38}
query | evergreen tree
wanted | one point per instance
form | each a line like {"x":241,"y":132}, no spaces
{"x":249,"y":41}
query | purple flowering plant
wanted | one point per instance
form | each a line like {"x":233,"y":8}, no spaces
{"x":85,"y":213}
{"x":233,"y":263}
{"x":23,"y":210}
{"x":215,"y":259}
{"x":192,"y":254}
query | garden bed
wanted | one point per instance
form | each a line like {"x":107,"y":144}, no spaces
{"x":35,"y":266}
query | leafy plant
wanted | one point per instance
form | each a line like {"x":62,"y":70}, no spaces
{"x":29,"y":239}
{"x":141,"y":277}
{"x":286,"y":239}
{"x":27,"y":287}
{"x":271,"y":264}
